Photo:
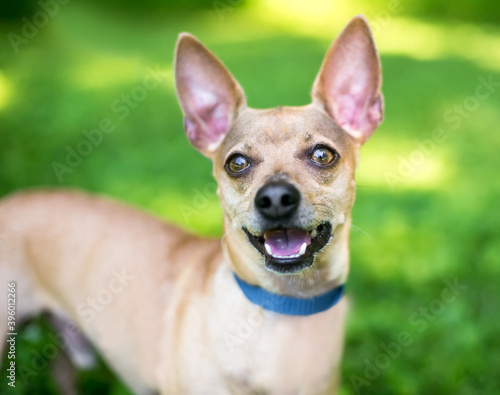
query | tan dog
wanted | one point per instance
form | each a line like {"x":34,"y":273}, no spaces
{"x":163,"y":307}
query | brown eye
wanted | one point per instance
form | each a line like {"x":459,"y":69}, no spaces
{"x":237,"y":163}
{"x":323,"y":156}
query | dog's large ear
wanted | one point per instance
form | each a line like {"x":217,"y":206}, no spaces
{"x":348,"y":83}
{"x":209,"y":96}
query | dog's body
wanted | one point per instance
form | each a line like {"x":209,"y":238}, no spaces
{"x":162,"y":306}
{"x":179,"y":322}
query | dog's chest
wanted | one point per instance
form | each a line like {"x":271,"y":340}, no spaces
{"x":258,"y":351}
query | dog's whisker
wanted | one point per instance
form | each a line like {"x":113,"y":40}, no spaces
{"x":225,"y":234}
{"x":363,"y":232}
{"x":316,"y":271}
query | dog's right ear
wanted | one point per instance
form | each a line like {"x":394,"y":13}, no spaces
{"x":209,"y":96}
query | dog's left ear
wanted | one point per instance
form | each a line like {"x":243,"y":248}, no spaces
{"x":349,"y":81}
{"x":209,"y":95}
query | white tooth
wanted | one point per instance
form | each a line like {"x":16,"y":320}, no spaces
{"x":313,"y":233}
{"x":268,"y":248}
{"x":302,"y":249}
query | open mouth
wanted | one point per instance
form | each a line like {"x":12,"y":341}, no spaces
{"x":290,"y":250}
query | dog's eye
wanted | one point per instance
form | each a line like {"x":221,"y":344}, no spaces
{"x":323,"y":156}
{"x":237,"y":163}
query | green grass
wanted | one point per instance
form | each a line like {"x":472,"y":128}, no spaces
{"x":439,"y":224}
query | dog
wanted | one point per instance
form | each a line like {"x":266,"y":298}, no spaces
{"x":262,"y":311}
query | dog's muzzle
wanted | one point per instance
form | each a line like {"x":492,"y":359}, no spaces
{"x":286,"y":246}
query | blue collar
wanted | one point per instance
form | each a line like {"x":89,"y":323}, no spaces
{"x":287,"y":304}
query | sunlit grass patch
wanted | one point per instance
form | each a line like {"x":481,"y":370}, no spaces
{"x":6,"y":91}
{"x":396,"y":165}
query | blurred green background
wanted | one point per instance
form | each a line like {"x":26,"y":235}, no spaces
{"x":426,"y":213}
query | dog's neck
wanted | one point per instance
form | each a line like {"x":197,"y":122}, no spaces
{"x":329,"y":270}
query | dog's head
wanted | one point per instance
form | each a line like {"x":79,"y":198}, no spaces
{"x":285,"y":175}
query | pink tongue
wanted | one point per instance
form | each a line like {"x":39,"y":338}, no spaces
{"x":284,"y":242}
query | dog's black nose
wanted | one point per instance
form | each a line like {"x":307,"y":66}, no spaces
{"x":277,"y":200}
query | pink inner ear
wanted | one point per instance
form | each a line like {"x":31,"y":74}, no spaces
{"x":349,"y":81}
{"x":207,"y":118}
{"x":209,"y":96}
{"x":345,"y":110}
{"x":355,"y":114}
{"x":350,"y":90}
